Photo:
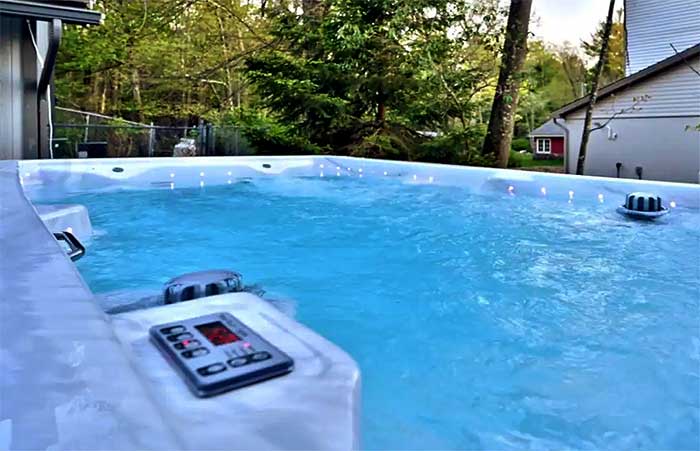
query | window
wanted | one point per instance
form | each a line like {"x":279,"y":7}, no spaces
{"x":544,"y":146}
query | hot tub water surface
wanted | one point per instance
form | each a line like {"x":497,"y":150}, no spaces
{"x":478,"y":321}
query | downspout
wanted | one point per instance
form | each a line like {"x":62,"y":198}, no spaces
{"x":627,"y":42}
{"x":566,"y":143}
{"x":46,"y":74}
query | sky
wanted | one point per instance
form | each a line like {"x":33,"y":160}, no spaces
{"x":557,"y":21}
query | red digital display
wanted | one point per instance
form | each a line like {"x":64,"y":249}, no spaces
{"x":217,"y":333}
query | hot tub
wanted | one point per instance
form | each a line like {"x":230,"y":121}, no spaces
{"x":486,"y":309}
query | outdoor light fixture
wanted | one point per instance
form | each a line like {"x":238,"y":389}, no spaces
{"x":601,"y":198}
{"x":543,"y":190}
{"x":673,"y":204}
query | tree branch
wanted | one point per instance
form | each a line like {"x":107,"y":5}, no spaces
{"x":685,"y":60}
{"x":634,"y":107}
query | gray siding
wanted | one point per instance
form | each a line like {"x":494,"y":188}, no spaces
{"x":18,"y":69}
{"x":655,"y":137}
{"x":674,"y":93}
{"x":652,"y":25}
{"x":662,"y":146}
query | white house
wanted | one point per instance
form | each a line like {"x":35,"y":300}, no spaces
{"x":647,"y":120}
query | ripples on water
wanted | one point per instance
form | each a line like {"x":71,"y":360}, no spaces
{"x":478,"y":322}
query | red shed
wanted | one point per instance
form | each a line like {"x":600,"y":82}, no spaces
{"x":548,"y":141}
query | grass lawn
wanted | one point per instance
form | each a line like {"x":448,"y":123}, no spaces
{"x":526,"y":162}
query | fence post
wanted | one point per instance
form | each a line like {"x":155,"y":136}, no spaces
{"x":87,"y":127}
{"x":200,"y":129}
{"x":212,"y":138}
{"x":151,"y":139}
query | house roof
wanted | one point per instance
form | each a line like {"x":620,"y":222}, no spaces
{"x":548,"y":129}
{"x":68,"y":11}
{"x":649,"y":72}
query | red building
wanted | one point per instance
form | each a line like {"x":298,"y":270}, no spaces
{"x":548,"y":142}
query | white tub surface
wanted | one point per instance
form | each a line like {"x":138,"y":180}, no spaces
{"x":72,"y":378}
{"x":67,"y":382}
{"x":73,"y":218}
{"x":316,"y":407}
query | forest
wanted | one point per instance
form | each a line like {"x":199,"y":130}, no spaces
{"x":396,"y":79}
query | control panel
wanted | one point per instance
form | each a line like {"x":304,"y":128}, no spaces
{"x":217,"y":353}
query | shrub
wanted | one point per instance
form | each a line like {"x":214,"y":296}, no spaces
{"x":267,"y":136}
{"x":521,"y":144}
{"x":518,"y":160}
{"x":454,"y":147}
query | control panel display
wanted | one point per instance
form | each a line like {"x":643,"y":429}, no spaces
{"x":217,"y":353}
{"x":217,"y":333}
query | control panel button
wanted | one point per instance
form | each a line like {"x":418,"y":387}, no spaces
{"x":187,"y":344}
{"x":173,"y":330}
{"x":239,"y":362}
{"x":195,"y":353}
{"x":212,"y":369}
{"x":216,"y":353}
{"x":260,"y":356}
{"x":180,"y":337}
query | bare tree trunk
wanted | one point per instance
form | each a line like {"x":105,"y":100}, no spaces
{"x":136,"y":80}
{"x":500,"y":132}
{"x":103,"y":99}
{"x":581,"y":163}
{"x":312,"y":8}
{"x":227,"y":68}
{"x":381,"y":112}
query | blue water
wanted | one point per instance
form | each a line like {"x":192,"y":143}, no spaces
{"x":478,"y":322}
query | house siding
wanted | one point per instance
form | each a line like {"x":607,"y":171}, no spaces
{"x":18,"y":80}
{"x":674,"y":93}
{"x":653,"y":25}
{"x":558,"y":146}
{"x":662,"y":146}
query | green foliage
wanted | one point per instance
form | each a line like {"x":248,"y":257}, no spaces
{"x":355,"y":77}
{"x":169,"y":61}
{"x":364,"y":79}
{"x":456,"y":147}
{"x":526,"y":160}
{"x":518,"y":160}
{"x":553,"y":77}
{"x":520,"y":144}
{"x":614,"y":68}
{"x":269,"y":136}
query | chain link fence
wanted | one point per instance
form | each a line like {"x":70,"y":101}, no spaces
{"x":78,"y":134}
